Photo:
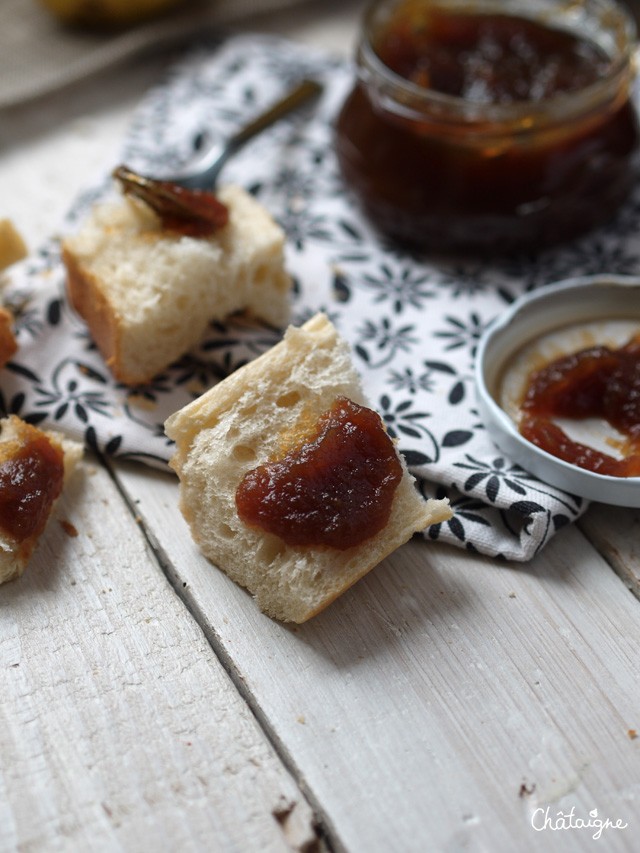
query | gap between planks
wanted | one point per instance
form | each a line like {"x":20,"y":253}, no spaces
{"x":615,"y":533}
{"x":327,"y":835}
{"x":119,"y":726}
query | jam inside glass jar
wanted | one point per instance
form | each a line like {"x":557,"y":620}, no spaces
{"x":491,"y":127}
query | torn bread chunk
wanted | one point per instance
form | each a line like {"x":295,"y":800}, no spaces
{"x":34,"y":465}
{"x":280,"y":408}
{"x":8,"y":344}
{"x":148,"y":294}
{"x":12,"y":246}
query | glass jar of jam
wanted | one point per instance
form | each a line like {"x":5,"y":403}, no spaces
{"x":491,"y":127}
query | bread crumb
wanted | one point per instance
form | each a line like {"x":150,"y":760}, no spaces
{"x":632,"y":734}
{"x":196,"y":387}
{"x":526,"y":790}
{"x":12,"y":246}
{"x":142,"y":402}
{"x":512,"y":595}
{"x":301,"y":719}
{"x":282,"y":811}
{"x":69,"y":528}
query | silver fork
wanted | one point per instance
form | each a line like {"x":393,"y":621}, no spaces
{"x":203,"y":173}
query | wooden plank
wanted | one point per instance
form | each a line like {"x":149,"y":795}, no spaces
{"x":615,"y":533}
{"x":119,"y":728}
{"x":444,"y":699}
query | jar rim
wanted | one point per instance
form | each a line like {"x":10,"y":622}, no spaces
{"x":415,"y":98}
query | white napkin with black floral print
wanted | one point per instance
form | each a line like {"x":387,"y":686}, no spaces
{"x":413,"y":322}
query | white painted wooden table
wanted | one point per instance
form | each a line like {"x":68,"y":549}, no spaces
{"x":446,"y":703}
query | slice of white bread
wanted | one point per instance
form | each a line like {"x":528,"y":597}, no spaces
{"x":247,"y":420}
{"x":148,"y":295}
{"x":34,"y":464}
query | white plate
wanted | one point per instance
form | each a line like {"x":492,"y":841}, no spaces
{"x":557,"y":320}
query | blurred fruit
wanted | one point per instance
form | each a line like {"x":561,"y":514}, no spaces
{"x":107,"y":13}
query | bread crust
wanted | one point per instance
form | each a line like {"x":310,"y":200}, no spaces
{"x":88,"y":298}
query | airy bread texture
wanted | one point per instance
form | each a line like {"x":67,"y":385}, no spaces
{"x":148,"y":295}
{"x":245,"y":421}
{"x":15,"y":434}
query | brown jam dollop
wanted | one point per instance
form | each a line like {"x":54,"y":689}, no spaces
{"x":598,"y":382}
{"x":456,"y":137}
{"x":30,"y":481}
{"x":192,"y":213}
{"x":334,"y":489}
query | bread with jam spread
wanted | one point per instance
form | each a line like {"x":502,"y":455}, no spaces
{"x":34,"y":465}
{"x":268,"y":411}
{"x":148,"y":294}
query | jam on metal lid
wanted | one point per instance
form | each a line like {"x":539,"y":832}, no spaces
{"x":597,"y":382}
